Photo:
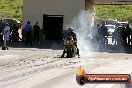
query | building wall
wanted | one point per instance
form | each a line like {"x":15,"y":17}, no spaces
{"x":33,"y":10}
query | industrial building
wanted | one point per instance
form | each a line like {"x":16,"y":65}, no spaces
{"x":53,"y":15}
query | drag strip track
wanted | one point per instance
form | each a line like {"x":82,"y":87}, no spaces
{"x":26,"y":69}
{"x":51,"y":83}
{"x":15,"y":73}
{"x":42,"y":70}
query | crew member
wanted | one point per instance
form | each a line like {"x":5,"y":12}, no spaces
{"x":73,"y":34}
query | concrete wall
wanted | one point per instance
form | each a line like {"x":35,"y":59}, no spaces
{"x":33,"y":10}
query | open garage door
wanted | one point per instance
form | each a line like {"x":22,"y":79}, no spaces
{"x":53,"y":26}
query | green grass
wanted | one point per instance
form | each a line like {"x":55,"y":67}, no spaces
{"x":13,"y":9}
{"x":120,"y":12}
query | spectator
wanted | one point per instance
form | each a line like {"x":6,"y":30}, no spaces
{"x":114,"y":36}
{"x":128,"y":33}
{"x":28,"y":29}
{"x":1,"y":36}
{"x":1,"y":30}
{"x":103,"y":32}
{"x":36,"y":32}
{"x":123,"y":35}
{"x":6,"y":35}
{"x":14,"y":33}
{"x":119,"y":36}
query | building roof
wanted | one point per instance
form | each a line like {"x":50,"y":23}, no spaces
{"x":113,"y":2}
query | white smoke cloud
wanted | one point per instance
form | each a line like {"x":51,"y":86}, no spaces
{"x":82,"y":25}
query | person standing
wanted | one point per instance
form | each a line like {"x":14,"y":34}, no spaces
{"x":15,"y":34}
{"x":128,"y":33}
{"x":1,"y":30}
{"x":36,"y":32}
{"x":28,"y":29}
{"x":6,"y":33}
{"x":103,"y":32}
{"x":1,"y":36}
{"x":123,"y":32}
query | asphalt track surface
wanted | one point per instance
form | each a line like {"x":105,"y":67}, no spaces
{"x":42,"y":68}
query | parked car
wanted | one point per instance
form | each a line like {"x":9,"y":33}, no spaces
{"x":11,"y":21}
{"x":111,"y":22}
{"x":111,"y":29}
{"x":121,"y":23}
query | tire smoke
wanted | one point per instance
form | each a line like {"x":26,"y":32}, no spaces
{"x":82,"y":25}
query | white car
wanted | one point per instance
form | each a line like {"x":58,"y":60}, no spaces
{"x":111,"y":29}
{"x":119,"y":23}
